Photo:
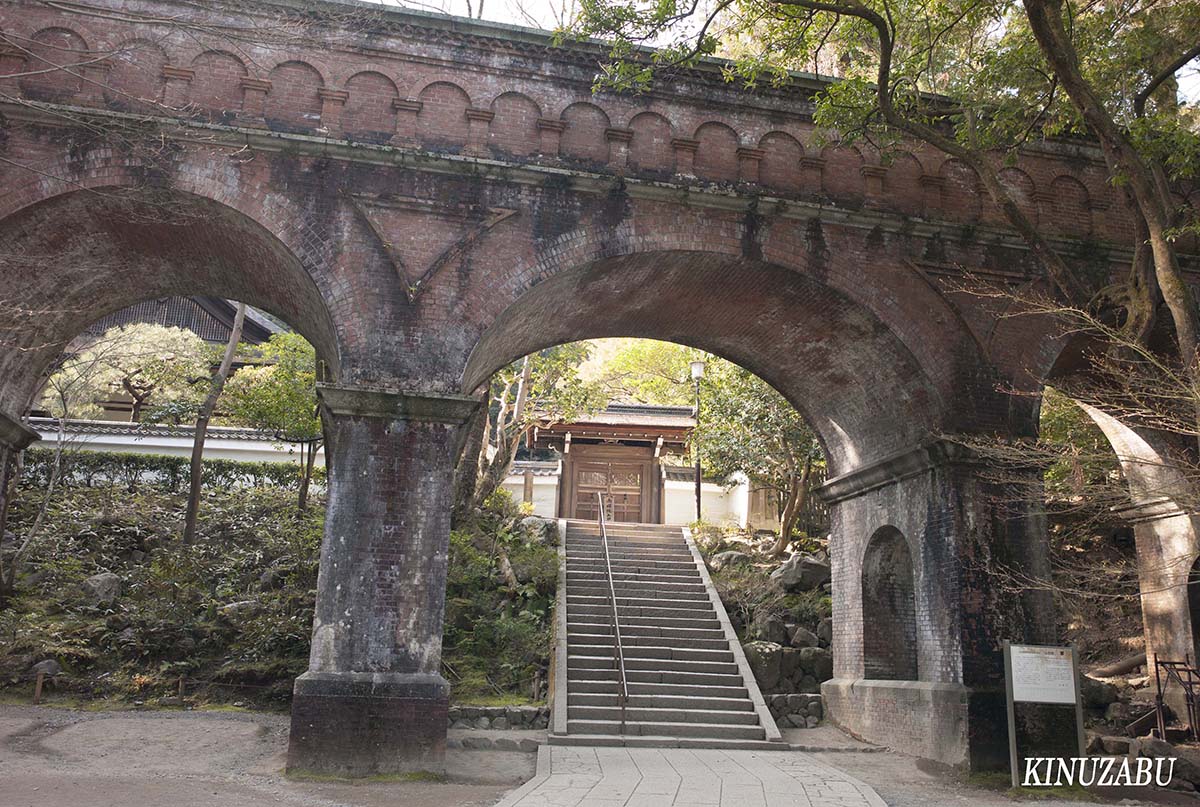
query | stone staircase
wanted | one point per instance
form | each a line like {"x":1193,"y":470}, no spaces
{"x":689,"y":684}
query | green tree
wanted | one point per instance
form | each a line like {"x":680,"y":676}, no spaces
{"x":204,"y":414}
{"x":651,"y":372}
{"x":280,"y":396}
{"x":150,"y":364}
{"x":543,"y":385}
{"x":746,"y":426}
{"x":977,"y":80}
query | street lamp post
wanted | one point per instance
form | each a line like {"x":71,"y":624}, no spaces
{"x":697,"y":374}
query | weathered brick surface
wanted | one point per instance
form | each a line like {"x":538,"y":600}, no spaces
{"x":428,"y":199}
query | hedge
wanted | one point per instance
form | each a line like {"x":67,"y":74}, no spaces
{"x":168,"y":473}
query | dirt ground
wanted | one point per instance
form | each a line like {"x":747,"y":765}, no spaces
{"x":53,"y":757}
{"x":56,"y":757}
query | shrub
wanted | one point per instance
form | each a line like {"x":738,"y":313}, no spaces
{"x":103,"y":469}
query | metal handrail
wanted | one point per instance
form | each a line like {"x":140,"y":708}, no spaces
{"x":618,"y":653}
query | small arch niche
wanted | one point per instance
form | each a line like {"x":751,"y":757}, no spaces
{"x":889,"y":608}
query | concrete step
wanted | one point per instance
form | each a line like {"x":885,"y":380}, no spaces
{"x":628,"y":596}
{"x":608,"y":662}
{"x":627,"y":560}
{"x":650,"y":615}
{"x":656,"y":690}
{"x":577,"y":648}
{"x":653,"y":633}
{"x":630,"y":555}
{"x":676,"y":591}
{"x":581,"y":603}
{"x":714,"y":731}
{"x":652,"y":677}
{"x":678,"y":702}
{"x":650,"y":741}
{"x":683,"y":581}
{"x":601,"y":612}
{"x":651,"y":542}
{"x":597,"y":546}
{"x":576,"y":638}
{"x":623,"y":527}
{"x":651,"y":715}
{"x":637,"y":574}
{"x":624,"y":540}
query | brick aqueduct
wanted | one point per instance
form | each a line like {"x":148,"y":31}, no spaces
{"x":429,"y":198}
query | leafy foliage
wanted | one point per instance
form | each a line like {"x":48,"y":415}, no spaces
{"x":232,"y":612}
{"x":134,"y":472}
{"x":497,"y":639}
{"x":746,"y":426}
{"x":148,"y":363}
{"x":173,"y":617}
{"x":278,"y":396}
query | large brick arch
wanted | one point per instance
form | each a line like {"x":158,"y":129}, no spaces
{"x":859,"y":387}
{"x":75,"y":257}
{"x":434,"y":194}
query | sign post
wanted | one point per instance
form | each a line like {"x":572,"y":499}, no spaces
{"x":1045,"y":675}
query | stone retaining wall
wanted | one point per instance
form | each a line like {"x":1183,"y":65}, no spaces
{"x":796,"y":711}
{"x":499,"y":718}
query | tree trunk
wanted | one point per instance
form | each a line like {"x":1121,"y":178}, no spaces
{"x":508,"y":438}
{"x":1046,"y":23}
{"x":9,"y":473}
{"x":202,"y":419}
{"x":796,"y":499}
{"x":306,"y":477}
{"x":466,"y":471}
{"x":9,"y":578}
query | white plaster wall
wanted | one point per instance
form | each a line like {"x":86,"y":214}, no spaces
{"x":216,"y":447}
{"x":545,"y":493}
{"x":718,"y":505}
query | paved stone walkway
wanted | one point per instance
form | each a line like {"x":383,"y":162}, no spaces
{"x":571,"y":776}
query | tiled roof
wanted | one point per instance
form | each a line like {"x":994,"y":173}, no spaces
{"x":642,"y":415}
{"x":536,"y":467}
{"x":146,"y":430}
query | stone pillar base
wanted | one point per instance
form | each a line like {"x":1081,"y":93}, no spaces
{"x":365,"y":724}
{"x":949,"y":723}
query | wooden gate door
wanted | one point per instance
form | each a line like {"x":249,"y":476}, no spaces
{"x":621,"y":484}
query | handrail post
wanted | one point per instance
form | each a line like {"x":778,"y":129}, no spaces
{"x":618,"y":652}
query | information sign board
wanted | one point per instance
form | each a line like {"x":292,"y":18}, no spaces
{"x":1043,"y":674}
{"x":1044,"y":678}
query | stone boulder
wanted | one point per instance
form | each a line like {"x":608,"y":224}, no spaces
{"x":1186,"y":768}
{"x":825,"y":631}
{"x":1118,"y":746}
{"x":1097,"y":694}
{"x":802,"y":572}
{"x":728,"y":558}
{"x":542,"y":530}
{"x":765,"y":659}
{"x":788,"y":665}
{"x":770,"y":629}
{"x":102,"y":589}
{"x":48,"y":667}
{"x":818,"y":662}
{"x":1122,"y":714}
{"x":802,"y":637}
{"x":239,"y":609}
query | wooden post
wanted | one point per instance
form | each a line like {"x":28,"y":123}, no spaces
{"x":181,"y":688}
{"x":37,"y":688}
